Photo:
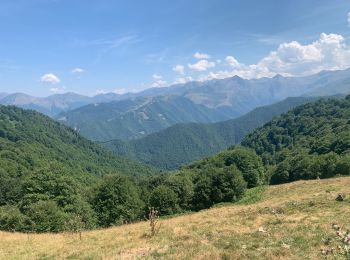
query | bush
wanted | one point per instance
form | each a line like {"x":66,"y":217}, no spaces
{"x":216,"y":185}
{"x":164,"y":200}
{"x":46,"y":216}
{"x":11,"y":219}
{"x":117,"y":201}
{"x":182,"y":184}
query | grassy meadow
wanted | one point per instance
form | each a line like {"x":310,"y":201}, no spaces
{"x":289,"y":221}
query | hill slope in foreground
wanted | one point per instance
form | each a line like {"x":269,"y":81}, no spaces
{"x":293,"y":219}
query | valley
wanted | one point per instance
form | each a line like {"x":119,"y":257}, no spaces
{"x":181,"y":129}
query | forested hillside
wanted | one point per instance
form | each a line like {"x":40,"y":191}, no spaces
{"x":52,"y":180}
{"x":45,"y":170}
{"x":184,"y":143}
{"x":308,"y":142}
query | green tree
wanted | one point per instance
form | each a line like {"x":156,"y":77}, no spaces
{"x":117,"y":201}
{"x":46,"y":216}
{"x":164,"y":200}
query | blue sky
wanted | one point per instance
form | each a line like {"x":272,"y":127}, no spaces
{"x":89,"y":47}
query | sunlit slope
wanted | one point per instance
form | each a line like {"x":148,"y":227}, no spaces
{"x":296,"y":218}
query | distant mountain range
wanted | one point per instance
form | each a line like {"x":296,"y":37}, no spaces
{"x":135,"y":115}
{"x":54,"y":104}
{"x":135,"y":118}
{"x":184,"y":143}
{"x":138,"y":114}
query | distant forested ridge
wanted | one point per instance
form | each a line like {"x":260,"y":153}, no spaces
{"x":135,"y":118}
{"x":183,"y":143}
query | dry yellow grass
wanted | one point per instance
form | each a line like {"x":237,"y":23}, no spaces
{"x":296,"y":216}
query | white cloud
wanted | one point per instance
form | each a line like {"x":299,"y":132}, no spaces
{"x":179,"y":69}
{"x":157,"y":77}
{"x":159,"y":83}
{"x":202,"y":65}
{"x":231,"y":61}
{"x":183,"y":80}
{"x":119,"y":91}
{"x":50,"y":78}
{"x":329,"y":52}
{"x":77,"y":71}
{"x":348,"y":18}
{"x":200,"y":56}
{"x":58,"y":89}
{"x":101,"y":91}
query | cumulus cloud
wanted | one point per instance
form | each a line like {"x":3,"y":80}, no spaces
{"x":158,"y":81}
{"x":200,"y":56}
{"x":201,"y":65}
{"x":119,"y":91}
{"x":183,"y":80}
{"x":179,"y":69}
{"x":77,"y":71}
{"x":231,"y":61}
{"x":329,"y":52}
{"x":50,"y":78}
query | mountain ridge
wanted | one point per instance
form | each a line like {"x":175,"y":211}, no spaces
{"x":183,"y":143}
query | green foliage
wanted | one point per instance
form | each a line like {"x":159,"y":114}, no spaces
{"x":46,"y":216}
{"x":246,"y":161}
{"x":47,"y":170}
{"x":117,"y":201}
{"x":164,"y":200}
{"x":309,"y":142}
{"x":216,"y":185}
{"x":12,"y":219}
{"x":182,"y":184}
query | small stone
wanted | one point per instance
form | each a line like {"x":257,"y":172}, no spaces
{"x":261,"y":229}
{"x":244,"y":247}
{"x":327,"y":241}
{"x":335,"y":226}
{"x":285,"y":245}
{"x":340,"y":197}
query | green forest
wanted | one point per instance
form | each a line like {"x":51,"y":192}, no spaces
{"x":184,"y":143}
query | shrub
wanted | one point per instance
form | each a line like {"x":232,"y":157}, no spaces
{"x":117,"y":201}
{"x":215,"y":185}
{"x":164,"y":200}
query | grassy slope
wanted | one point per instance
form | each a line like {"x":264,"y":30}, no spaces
{"x":305,"y":212}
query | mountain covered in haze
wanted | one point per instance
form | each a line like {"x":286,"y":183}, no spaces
{"x":223,"y":99}
{"x":135,"y":115}
{"x":50,"y":106}
{"x":54,"y":104}
{"x":184,"y":143}
{"x":134,"y":118}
